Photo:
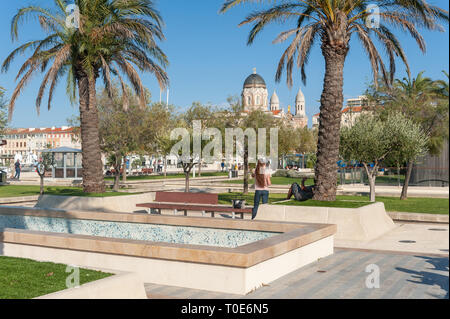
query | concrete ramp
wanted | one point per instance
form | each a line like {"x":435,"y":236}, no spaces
{"x":361,"y":224}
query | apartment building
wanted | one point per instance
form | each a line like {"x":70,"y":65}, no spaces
{"x":353,"y":109}
{"x":27,"y":143}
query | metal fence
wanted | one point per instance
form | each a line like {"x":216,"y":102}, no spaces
{"x":393,"y":176}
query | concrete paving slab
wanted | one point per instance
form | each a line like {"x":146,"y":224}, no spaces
{"x":423,"y":238}
{"x":343,"y":275}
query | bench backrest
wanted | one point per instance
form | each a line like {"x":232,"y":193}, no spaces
{"x":181,"y":197}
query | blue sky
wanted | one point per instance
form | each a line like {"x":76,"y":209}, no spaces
{"x":209,"y":60}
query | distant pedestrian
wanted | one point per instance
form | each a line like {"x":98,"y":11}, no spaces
{"x":17,"y":167}
{"x":222,"y":165}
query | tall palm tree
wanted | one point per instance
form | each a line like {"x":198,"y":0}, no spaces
{"x":332,"y":23}
{"x":109,"y":37}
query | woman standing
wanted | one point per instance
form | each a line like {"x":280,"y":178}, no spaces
{"x":262,"y":183}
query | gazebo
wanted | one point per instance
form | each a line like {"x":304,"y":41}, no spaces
{"x":66,"y":162}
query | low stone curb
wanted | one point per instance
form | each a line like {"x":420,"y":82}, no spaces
{"x":416,"y":217}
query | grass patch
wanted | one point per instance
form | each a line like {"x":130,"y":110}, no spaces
{"x":26,"y":278}
{"x":338,"y":203}
{"x":226,"y":198}
{"x":392,"y":204}
{"x":416,"y":205}
{"x":169,"y":176}
{"x":30,"y":190}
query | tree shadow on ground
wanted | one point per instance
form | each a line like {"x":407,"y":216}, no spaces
{"x":431,"y":278}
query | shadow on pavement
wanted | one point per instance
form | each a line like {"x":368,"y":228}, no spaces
{"x":431,"y":278}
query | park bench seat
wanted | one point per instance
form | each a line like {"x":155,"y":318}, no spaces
{"x":203,"y":202}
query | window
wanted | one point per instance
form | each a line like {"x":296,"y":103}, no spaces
{"x":249,"y":100}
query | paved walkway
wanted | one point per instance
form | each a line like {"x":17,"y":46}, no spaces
{"x":343,"y":275}
{"x":418,"y":238}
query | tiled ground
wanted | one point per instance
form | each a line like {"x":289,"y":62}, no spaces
{"x":343,"y":275}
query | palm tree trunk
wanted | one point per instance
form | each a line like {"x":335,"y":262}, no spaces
{"x":404,"y":194}
{"x":329,"y":124}
{"x":93,"y":181}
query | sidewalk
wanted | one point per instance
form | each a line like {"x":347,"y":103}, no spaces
{"x":412,"y":238}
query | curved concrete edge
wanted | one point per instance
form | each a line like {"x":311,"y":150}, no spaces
{"x":361,"y":224}
{"x":119,"y":204}
{"x":119,"y":286}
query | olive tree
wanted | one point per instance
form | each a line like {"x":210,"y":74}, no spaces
{"x":371,"y":141}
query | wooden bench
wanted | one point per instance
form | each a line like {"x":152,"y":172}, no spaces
{"x":146,"y":171}
{"x":202,"y":202}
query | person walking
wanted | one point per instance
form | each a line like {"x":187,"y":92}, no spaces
{"x":17,"y":167}
{"x":262,"y":183}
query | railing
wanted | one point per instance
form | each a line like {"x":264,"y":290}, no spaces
{"x":393,"y":176}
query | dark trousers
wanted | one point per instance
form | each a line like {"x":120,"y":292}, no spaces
{"x":17,"y":173}
{"x":264,"y":195}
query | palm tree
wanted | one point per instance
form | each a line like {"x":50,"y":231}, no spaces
{"x":442,"y":87}
{"x":111,"y":37}
{"x":332,"y":23}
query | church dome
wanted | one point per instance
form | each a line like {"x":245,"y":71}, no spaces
{"x":274,"y":99}
{"x":254,"y":80}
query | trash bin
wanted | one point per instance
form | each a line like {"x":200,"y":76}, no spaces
{"x":2,"y":177}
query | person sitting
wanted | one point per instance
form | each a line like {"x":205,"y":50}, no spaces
{"x":301,"y":193}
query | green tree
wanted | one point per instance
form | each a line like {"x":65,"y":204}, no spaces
{"x":420,"y":99}
{"x":332,"y":23}
{"x":257,"y":119}
{"x":111,"y":36}
{"x":371,"y":141}
{"x":234,"y":117}
{"x":206,"y":115}
{"x":120,"y":129}
{"x":161,"y":120}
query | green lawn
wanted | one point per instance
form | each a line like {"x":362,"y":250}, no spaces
{"x":416,"y":205}
{"x":392,"y":204}
{"x":226,"y":198}
{"x":150,"y":177}
{"x":26,"y":279}
{"x":29,"y":190}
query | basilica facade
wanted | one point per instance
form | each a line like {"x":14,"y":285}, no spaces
{"x":255,"y":96}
